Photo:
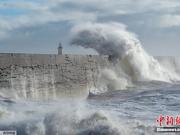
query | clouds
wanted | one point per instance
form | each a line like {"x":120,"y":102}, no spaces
{"x":47,"y":11}
{"x":39,"y":14}
{"x":170,"y":20}
{"x":141,"y":16}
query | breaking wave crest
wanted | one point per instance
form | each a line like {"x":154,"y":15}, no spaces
{"x":130,"y":63}
{"x":73,"y":120}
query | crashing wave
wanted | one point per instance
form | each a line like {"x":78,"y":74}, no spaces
{"x":130,"y":62}
{"x":73,"y":120}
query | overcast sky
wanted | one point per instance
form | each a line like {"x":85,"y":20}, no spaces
{"x":36,"y":26}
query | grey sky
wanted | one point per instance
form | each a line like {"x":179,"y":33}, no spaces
{"x":36,"y":26}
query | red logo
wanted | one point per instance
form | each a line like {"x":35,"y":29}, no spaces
{"x":168,"y":120}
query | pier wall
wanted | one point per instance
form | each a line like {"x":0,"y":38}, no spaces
{"x":44,"y":76}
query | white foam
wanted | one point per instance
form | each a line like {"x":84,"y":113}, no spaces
{"x":130,"y":60}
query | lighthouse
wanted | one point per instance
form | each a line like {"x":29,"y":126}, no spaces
{"x":60,"y":49}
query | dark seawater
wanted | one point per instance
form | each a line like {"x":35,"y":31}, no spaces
{"x":126,"y":112}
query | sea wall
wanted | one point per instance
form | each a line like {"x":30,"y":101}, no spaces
{"x":44,"y":76}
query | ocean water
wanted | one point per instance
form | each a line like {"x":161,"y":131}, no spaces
{"x":130,"y":95}
{"x":133,"y":111}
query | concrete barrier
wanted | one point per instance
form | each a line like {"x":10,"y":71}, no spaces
{"x":45,"y":76}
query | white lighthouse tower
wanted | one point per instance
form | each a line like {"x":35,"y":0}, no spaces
{"x":60,"y":49}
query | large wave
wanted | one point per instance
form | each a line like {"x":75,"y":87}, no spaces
{"x":56,"y":118}
{"x":130,"y":62}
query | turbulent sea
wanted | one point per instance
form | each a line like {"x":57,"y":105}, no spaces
{"x":126,"y":112}
{"x":132,"y":92}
